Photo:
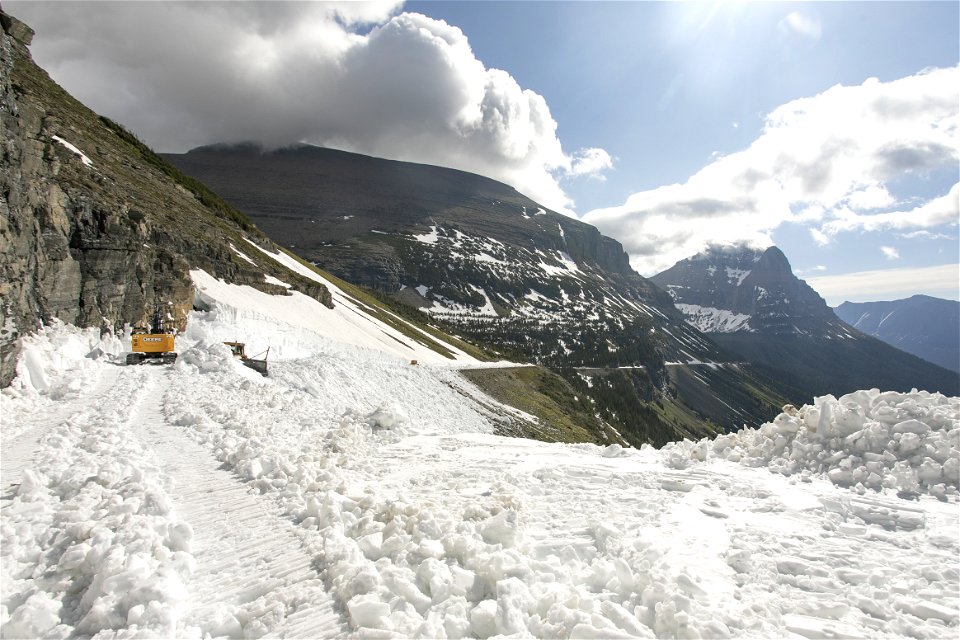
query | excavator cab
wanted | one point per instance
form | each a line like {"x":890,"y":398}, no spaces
{"x":152,"y":343}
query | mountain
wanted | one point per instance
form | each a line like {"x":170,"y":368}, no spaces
{"x":482,"y":261}
{"x":927,"y":327}
{"x":750,"y":302}
{"x":96,"y":229}
{"x":738,"y":289}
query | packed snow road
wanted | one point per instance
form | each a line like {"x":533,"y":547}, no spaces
{"x":352,"y":494}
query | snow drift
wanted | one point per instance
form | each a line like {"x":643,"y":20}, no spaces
{"x":411,"y":518}
{"x":904,"y":441}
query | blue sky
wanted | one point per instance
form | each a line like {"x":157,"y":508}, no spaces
{"x":662,"y":87}
{"x":667,"y":125}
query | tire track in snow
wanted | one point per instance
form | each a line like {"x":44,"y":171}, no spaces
{"x":253,"y":576}
{"x":18,"y":452}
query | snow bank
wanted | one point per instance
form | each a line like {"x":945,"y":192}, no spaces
{"x":90,"y":539}
{"x":57,"y":362}
{"x":57,"y":348}
{"x":904,"y":441}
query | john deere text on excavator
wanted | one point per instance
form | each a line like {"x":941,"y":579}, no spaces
{"x":153,"y":344}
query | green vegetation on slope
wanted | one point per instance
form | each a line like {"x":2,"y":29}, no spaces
{"x":563,"y":414}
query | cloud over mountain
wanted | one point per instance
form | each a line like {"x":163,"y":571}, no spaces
{"x":357,"y":76}
{"x":830,"y":162}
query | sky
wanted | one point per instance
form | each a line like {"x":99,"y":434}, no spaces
{"x":828,"y":129}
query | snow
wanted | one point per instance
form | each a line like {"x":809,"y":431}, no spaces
{"x":908,"y":442}
{"x":737,"y":274}
{"x":346,"y":322}
{"x":242,"y":255}
{"x":352,"y":494}
{"x":271,"y":280}
{"x":428,"y":238}
{"x":568,"y":265}
{"x":713,"y":320}
{"x":83,"y":157}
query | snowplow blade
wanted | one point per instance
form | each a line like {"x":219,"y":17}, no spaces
{"x":260,"y":366}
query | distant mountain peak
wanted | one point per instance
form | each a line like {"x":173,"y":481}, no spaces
{"x":740,"y":288}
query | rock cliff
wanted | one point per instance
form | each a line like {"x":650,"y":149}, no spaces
{"x":96,"y":229}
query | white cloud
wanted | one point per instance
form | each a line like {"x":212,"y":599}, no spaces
{"x":409,"y":88}
{"x":827,"y":160}
{"x":888,"y":284}
{"x":802,"y":25}
{"x":591,"y":162}
{"x":942,"y":210}
{"x":890,"y":253}
{"x":817,"y":269}
{"x":923,"y":234}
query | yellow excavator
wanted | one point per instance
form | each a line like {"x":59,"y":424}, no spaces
{"x":153,"y":343}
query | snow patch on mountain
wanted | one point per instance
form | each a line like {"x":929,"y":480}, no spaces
{"x":711,"y":320}
{"x":428,"y":238}
{"x":737,"y":275}
{"x":71,"y":147}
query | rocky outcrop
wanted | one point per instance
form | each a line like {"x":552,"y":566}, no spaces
{"x":95,"y":229}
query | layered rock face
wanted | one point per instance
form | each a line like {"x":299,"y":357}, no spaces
{"x":95,"y":229}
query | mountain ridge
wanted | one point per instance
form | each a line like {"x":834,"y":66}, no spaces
{"x":925,"y":326}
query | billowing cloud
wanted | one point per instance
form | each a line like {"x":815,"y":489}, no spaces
{"x":829,"y":162}
{"x":356,"y":76}
{"x":942,"y":210}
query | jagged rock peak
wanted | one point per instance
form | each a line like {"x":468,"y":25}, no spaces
{"x":727,"y":289}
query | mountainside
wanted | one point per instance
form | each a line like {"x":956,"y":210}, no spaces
{"x":95,"y":229}
{"x":927,"y":327}
{"x":750,"y":303}
{"x":483,"y":261}
{"x":458,"y":246}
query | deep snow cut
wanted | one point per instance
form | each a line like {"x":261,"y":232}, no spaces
{"x":413,"y":519}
